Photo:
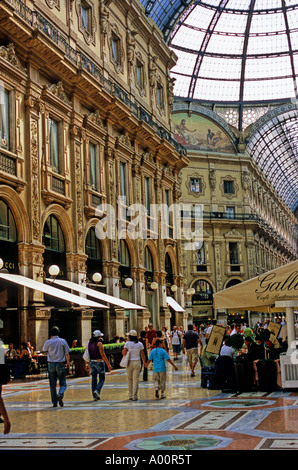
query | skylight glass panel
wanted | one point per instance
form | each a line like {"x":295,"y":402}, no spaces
{"x":267,"y":67}
{"x":200,"y":16}
{"x":214,"y":3}
{"x":188,"y":38}
{"x":294,"y":39}
{"x":221,"y":68}
{"x":268,"y":89}
{"x":185,"y":63}
{"x":216,"y":90}
{"x":267,"y":44}
{"x":229,"y":22}
{"x":239,"y":5}
{"x":267,"y":4}
{"x":292,"y":16}
{"x":181,"y":86}
{"x":231,"y":45}
{"x":270,"y":23}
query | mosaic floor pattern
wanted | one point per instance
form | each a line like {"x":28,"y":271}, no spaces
{"x":190,"y":418}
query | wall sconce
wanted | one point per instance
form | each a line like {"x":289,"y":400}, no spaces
{"x":153,"y":285}
{"x":128,"y":282}
{"x":54,"y":270}
{"x":190,"y":291}
{"x":174,"y":288}
{"x":1,"y":263}
{"x":97,"y":277}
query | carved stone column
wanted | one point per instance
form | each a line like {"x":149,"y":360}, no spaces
{"x":38,"y":326}
{"x":117,"y":317}
{"x":84,"y":326}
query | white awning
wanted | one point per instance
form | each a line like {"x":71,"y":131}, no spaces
{"x":175,"y":306}
{"x":50,"y":290}
{"x":99,"y":295}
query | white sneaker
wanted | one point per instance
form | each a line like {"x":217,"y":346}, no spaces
{"x":163,"y":395}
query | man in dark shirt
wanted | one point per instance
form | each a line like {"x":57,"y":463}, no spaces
{"x":190,"y":343}
{"x":150,"y":334}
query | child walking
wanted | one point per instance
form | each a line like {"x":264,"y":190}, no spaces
{"x":159,"y":357}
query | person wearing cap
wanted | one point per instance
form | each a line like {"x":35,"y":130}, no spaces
{"x":136,"y":350}
{"x":57,"y":350}
{"x":98,"y":361}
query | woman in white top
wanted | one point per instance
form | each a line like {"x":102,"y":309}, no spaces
{"x":136,"y":349}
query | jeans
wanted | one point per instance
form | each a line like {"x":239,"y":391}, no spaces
{"x":97,"y":368}
{"x":57,"y":371}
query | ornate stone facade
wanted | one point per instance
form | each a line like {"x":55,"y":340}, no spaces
{"x":82,"y":122}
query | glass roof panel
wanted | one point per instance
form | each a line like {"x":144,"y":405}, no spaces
{"x":221,"y":68}
{"x":185,"y":63}
{"x":182,"y":84}
{"x":242,"y":53}
{"x":257,"y":36}
{"x":219,"y":44}
{"x":279,"y":88}
{"x":231,"y":22}
{"x":221,"y":90}
{"x":267,"y":67}
{"x":199,"y":17}
{"x":189,"y":38}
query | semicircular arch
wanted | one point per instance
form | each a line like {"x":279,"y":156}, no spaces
{"x":15,"y":204}
{"x":65,"y":224}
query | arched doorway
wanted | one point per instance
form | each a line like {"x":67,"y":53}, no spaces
{"x":9,"y":298}
{"x":150,"y":293}
{"x":62,"y":315}
{"x":169,"y":284}
{"x":125,"y":273}
{"x":94,"y":265}
{"x":202,"y":301}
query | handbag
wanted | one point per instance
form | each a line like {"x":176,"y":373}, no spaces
{"x":4,"y":374}
{"x":86,"y":355}
{"x":125,"y":360}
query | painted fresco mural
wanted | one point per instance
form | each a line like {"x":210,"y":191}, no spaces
{"x":198,"y":132}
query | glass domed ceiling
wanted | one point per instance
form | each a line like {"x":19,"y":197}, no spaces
{"x":231,"y":50}
{"x":240,"y":53}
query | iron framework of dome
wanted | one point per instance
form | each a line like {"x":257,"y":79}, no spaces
{"x":242,"y":56}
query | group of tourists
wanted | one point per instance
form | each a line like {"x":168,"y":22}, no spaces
{"x":151,"y":348}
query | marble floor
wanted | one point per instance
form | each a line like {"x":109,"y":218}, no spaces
{"x":189,"y":418}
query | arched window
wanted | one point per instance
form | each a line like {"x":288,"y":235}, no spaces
{"x":123,"y":254}
{"x":93,"y":249}
{"x":169,"y":271}
{"x":8,"y":230}
{"x":148,"y":265}
{"x":148,"y":260}
{"x":53,"y":238}
{"x":203,"y":293}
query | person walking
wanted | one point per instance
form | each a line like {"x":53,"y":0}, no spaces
{"x":191,"y":341}
{"x":3,"y":413}
{"x":57,"y":350}
{"x":98,"y":361}
{"x":176,"y":342}
{"x":159,"y":357}
{"x":136,"y":350}
{"x":143,"y":339}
